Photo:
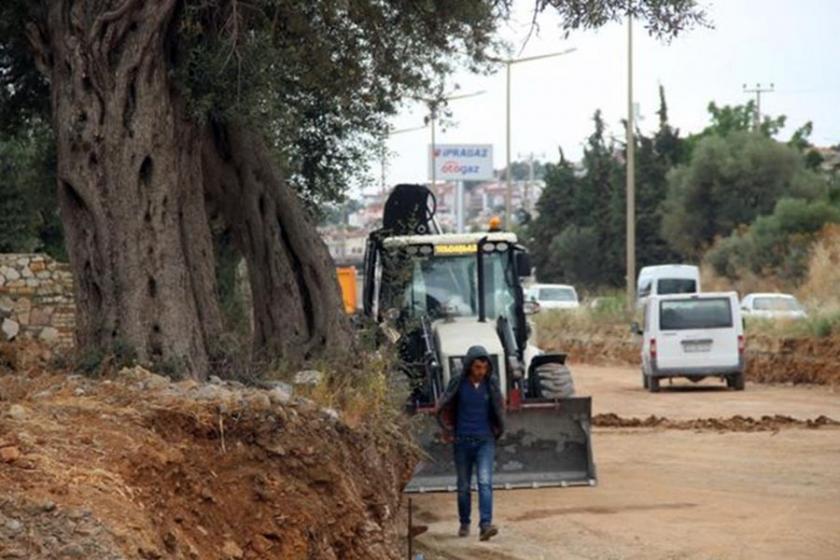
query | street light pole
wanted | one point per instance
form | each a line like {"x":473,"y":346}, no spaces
{"x":509,"y":189}
{"x":508,"y":63}
{"x":631,"y":170}
{"x":432,"y":154}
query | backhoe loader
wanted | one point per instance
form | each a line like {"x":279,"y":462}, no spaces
{"x":444,"y":292}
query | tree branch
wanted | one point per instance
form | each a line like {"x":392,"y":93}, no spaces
{"x":108,"y":17}
{"x":40,"y":51}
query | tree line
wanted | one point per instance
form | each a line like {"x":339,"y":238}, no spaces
{"x":731,"y":195}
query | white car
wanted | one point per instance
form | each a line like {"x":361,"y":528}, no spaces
{"x":553,"y":296}
{"x":772,"y":306}
{"x":693,"y":336}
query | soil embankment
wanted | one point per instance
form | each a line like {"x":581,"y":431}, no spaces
{"x":138,"y":467}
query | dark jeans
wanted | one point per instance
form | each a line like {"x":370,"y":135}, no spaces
{"x":475,"y":454}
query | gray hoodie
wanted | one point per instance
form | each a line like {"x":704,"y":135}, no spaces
{"x":447,"y":410}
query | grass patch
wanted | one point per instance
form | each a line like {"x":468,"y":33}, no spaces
{"x":819,"y":324}
{"x":362,"y":394}
{"x":597,"y":313}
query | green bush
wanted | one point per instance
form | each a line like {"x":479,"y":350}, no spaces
{"x":779,"y":243}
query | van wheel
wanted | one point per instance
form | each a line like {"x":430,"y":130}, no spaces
{"x":653,"y":384}
{"x":736,"y":381}
{"x":554,"y":381}
{"x":645,"y":380}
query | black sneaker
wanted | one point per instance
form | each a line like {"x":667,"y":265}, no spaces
{"x":488,"y":532}
{"x":464,"y":530}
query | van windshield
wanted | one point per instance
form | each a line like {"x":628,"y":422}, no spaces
{"x":712,"y":313}
{"x":676,"y":286}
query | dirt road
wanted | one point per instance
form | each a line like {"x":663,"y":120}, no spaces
{"x":674,"y":494}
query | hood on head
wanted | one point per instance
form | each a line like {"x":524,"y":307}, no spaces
{"x":475,"y":353}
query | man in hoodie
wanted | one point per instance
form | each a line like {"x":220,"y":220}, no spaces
{"x":471,"y":413}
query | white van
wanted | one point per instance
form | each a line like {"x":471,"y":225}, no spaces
{"x":693,"y":336}
{"x":667,"y":279}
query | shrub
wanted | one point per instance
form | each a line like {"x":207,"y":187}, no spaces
{"x":776,"y":245}
{"x":823,"y":277}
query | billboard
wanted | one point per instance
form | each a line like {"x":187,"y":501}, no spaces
{"x":461,"y":162}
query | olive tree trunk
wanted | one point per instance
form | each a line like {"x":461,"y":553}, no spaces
{"x":295,"y":292}
{"x":130,"y":183}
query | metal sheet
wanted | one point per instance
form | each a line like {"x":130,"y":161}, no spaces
{"x":546,"y":443}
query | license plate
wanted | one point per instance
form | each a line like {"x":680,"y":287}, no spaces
{"x":697,"y":346}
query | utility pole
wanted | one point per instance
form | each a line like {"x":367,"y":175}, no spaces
{"x":527,"y":191}
{"x":758,"y":90}
{"x":459,"y":206}
{"x":530,"y":183}
{"x":631,"y":174}
{"x":382,"y":187}
{"x":508,"y":63}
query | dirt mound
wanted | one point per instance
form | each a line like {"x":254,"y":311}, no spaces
{"x":732,"y":424}
{"x":140,"y":467}
{"x":794,"y":360}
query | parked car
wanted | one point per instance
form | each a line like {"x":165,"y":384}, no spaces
{"x":554,"y":296}
{"x":693,"y":336}
{"x":666,"y":279}
{"x":772,"y":306}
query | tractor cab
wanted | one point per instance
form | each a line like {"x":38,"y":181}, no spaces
{"x":459,"y":290}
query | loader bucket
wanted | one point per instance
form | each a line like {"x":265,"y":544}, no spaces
{"x":546,"y":443}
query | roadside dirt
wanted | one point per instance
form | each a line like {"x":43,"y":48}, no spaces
{"x":137,"y":467}
{"x":707,"y":478}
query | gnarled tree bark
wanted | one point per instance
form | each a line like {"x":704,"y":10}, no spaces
{"x":296,"y":297}
{"x":130,"y":183}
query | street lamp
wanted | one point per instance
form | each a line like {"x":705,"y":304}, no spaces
{"x":508,"y":63}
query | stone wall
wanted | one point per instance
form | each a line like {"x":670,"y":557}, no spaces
{"x":36,"y":299}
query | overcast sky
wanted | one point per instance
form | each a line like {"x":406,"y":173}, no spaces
{"x":791,"y":43}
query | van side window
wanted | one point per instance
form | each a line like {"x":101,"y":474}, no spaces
{"x":644,"y":288}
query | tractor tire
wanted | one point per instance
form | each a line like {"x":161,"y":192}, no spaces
{"x":554,"y":381}
{"x":653,"y":384}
